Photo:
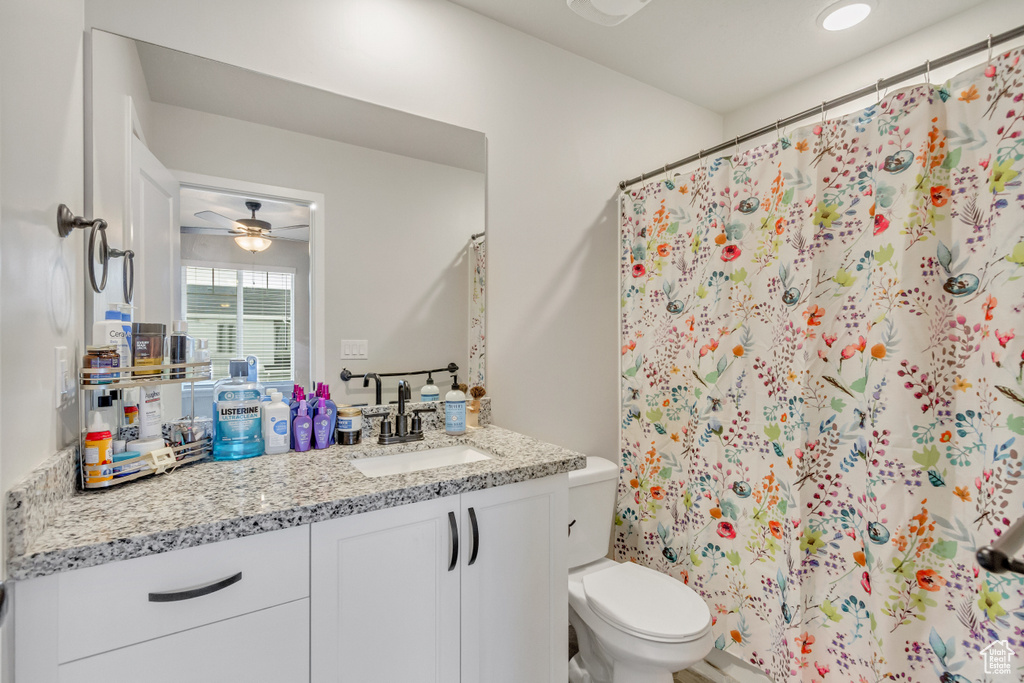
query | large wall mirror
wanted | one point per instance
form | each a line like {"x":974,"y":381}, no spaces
{"x":369,"y":221}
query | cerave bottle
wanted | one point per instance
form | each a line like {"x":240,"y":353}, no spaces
{"x":238,"y":427}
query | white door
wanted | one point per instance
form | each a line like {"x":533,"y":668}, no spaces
{"x":155,"y":236}
{"x":385,"y":593}
{"x":514,"y":587}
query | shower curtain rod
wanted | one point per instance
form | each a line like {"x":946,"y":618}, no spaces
{"x":878,"y":86}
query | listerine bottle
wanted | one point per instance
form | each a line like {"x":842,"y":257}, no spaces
{"x":238,"y":429}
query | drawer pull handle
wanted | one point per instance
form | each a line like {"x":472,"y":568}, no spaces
{"x":453,"y":525}
{"x":476,"y":536}
{"x":197,"y":592}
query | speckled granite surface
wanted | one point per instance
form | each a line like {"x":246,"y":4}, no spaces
{"x":33,"y":503}
{"x":432,"y":419}
{"x":216,"y":501}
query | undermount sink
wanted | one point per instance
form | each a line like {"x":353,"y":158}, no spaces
{"x":415,"y":461}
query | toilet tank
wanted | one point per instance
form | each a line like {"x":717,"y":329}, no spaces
{"x":591,"y":510}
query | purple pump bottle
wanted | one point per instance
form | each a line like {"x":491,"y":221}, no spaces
{"x":321,"y":425}
{"x":302,"y":428}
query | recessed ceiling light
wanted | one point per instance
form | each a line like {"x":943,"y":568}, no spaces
{"x":843,"y":15}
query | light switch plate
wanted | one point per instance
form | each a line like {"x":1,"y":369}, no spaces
{"x":354,"y":349}
{"x":62,"y":383}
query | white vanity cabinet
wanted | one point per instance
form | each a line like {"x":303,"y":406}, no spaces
{"x":468,"y":588}
{"x":214,"y":612}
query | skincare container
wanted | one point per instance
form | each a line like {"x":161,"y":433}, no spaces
{"x":332,"y":412}
{"x":238,"y":428}
{"x":303,"y":428}
{"x":122,"y":469}
{"x":455,"y":410}
{"x":430,"y":392}
{"x":151,"y":413}
{"x":350,"y":426}
{"x":98,"y":457}
{"x":321,"y":425}
{"x":277,"y":428}
{"x":179,"y":348}
{"x":110,"y":332}
{"x":148,"y":346}
{"x":103,"y":358}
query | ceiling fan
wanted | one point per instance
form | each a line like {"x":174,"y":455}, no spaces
{"x":251,"y":234}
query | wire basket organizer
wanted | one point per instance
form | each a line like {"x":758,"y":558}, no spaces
{"x":157,"y":462}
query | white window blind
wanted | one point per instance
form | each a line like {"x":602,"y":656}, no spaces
{"x":243,"y":313}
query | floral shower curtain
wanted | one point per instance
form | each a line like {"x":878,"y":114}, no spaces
{"x":823,"y":407}
{"x":477,"y":310}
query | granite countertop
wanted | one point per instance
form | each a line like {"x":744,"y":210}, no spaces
{"x":216,"y":501}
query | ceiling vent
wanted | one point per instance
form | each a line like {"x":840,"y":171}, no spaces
{"x":606,"y":12}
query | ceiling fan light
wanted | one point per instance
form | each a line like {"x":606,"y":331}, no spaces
{"x":253,"y":243}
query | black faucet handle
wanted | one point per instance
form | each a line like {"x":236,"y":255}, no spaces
{"x":417,"y":421}
{"x":385,"y":423}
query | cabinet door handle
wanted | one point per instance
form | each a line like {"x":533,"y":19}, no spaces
{"x":455,"y":541}
{"x":197,"y":592}
{"x":476,"y":536}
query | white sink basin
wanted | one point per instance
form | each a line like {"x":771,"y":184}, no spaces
{"x":403,"y":463}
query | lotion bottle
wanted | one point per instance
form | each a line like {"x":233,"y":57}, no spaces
{"x":430,"y":392}
{"x":303,"y":427}
{"x":277,"y":425}
{"x":321,"y":425}
{"x":455,"y":410}
{"x":332,"y":413}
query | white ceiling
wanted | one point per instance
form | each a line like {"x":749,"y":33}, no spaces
{"x":721,"y":54}
{"x":277,"y":213}
{"x":185,"y":80}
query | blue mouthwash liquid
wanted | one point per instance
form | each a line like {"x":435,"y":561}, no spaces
{"x":237,"y":428}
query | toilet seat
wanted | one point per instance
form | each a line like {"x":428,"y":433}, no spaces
{"x":646,"y":603}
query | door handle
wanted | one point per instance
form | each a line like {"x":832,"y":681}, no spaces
{"x":197,"y":592}
{"x":476,"y":536}
{"x":455,"y":541}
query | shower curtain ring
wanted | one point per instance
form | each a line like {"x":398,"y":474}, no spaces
{"x":990,"y":48}
{"x":737,"y":151}
{"x":778,"y":135}
{"x":928,"y":71}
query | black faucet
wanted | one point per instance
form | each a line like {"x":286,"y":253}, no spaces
{"x":401,"y":419}
{"x":366,"y":383}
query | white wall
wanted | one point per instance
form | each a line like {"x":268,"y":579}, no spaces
{"x":910,"y":51}
{"x":41,"y":276}
{"x":396,"y":232}
{"x":562,"y":131}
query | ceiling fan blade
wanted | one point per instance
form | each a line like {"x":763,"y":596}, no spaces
{"x":292,"y":227}
{"x":219,"y":220}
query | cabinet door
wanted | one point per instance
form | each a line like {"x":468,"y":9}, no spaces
{"x":515,"y":589}
{"x":268,"y":645}
{"x":385,"y":604}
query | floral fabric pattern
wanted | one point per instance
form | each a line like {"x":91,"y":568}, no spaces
{"x":822,"y":397}
{"x":477,"y":310}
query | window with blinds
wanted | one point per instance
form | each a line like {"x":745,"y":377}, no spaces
{"x":243,"y":313}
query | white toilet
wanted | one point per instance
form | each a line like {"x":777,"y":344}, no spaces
{"x":634,"y":625}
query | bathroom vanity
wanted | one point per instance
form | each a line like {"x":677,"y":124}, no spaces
{"x":298,"y":567}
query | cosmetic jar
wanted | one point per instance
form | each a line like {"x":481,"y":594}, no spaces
{"x":350,"y":426}
{"x":148,"y":346}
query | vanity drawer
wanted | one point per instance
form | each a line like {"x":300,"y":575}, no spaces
{"x":269,"y":645}
{"x":118,"y":604}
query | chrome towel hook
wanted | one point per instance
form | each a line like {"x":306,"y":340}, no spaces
{"x":67,"y":222}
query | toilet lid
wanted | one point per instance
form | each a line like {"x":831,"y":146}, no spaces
{"x":642,"y":601}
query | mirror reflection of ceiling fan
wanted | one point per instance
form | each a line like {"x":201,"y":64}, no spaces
{"x":251,"y":234}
